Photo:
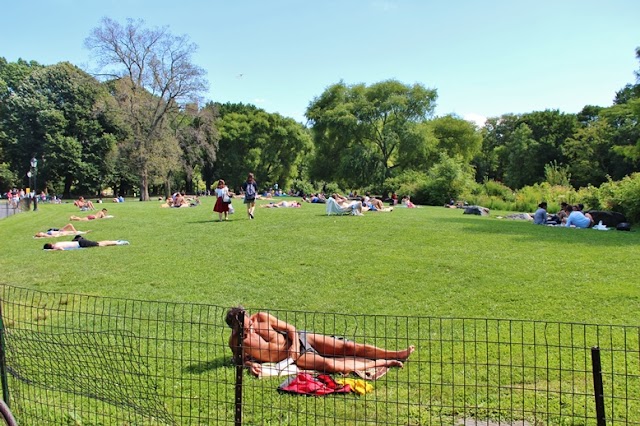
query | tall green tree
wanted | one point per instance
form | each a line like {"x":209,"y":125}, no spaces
{"x":267,"y":144}
{"x":12,"y":74}
{"x":52,"y":115}
{"x":371,"y":121}
{"x":492,"y":160}
{"x":520,"y":149}
{"x":158,"y":75}
{"x":457,"y":137}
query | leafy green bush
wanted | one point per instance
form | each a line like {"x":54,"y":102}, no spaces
{"x":331,"y":187}
{"x":590,"y":197}
{"x":407,"y":183}
{"x":494,"y":188}
{"x":626,"y":197}
{"x":303,"y":186}
{"x":447,"y":179}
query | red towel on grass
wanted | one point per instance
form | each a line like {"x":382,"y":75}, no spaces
{"x":306,"y":384}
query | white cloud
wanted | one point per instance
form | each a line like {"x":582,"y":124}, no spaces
{"x":478,"y":119}
{"x":258,"y":101}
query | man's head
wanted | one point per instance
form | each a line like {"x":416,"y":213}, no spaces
{"x":48,"y":246}
{"x":233,"y":317}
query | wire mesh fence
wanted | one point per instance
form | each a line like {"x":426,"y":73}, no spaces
{"x":77,"y":359}
{"x":9,"y":208}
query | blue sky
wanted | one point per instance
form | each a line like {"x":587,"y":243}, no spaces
{"x":485,"y":58}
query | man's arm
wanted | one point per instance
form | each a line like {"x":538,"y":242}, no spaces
{"x":290,"y":329}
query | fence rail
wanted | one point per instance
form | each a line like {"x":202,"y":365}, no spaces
{"x":77,"y":359}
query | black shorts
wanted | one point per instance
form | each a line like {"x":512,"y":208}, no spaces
{"x":87,"y":243}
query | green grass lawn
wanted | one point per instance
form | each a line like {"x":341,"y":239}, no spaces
{"x":429,"y":262}
{"x":415,"y":263}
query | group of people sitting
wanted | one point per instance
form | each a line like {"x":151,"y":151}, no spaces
{"x":569,"y":215}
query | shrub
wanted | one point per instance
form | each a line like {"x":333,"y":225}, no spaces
{"x":406,"y":183}
{"x":590,"y":197}
{"x":303,"y":186}
{"x":447,"y":179}
{"x":626,"y":197}
{"x":494,"y":188}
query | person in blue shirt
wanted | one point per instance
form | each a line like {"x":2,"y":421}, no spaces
{"x":578,"y":219}
{"x":540,"y":216}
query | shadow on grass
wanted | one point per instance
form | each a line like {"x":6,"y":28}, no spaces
{"x":527,"y":231}
{"x":203,"y":367}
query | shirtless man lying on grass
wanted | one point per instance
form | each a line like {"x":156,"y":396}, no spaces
{"x":80,"y":242}
{"x":268,"y":339}
{"x":100,"y":215}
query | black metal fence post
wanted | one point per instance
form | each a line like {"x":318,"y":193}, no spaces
{"x":239,"y":367}
{"x":598,"y":388}
{"x":3,"y":365}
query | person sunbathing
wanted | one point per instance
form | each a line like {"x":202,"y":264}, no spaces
{"x":100,"y":215}
{"x":265,"y":338}
{"x":338,"y":204}
{"x":68,"y":229}
{"x":375,"y":205}
{"x":285,"y":203}
{"x":81,"y":242}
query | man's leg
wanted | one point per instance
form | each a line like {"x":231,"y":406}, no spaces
{"x":330,"y":346}
{"x":345,"y":365}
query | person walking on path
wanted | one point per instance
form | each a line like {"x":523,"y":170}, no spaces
{"x":250,"y":188}
{"x":222,"y":201}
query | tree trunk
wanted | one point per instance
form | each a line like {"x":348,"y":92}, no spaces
{"x":144,"y":185}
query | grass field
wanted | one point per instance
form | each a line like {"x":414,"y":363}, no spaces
{"x":429,"y":261}
{"x":426,"y":262}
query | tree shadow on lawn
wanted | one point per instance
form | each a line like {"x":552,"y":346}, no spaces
{"x":536,"y":233}
{"x":203,"y":367}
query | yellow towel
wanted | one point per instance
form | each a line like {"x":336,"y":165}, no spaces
{"x":358,"y":385}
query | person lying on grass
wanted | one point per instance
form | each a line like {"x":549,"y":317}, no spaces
{"x":293,"y":204}
{"x":68,"y":229}
{"x":265,"y":338}
{"x":374,"y":204}
{"x":100,"y":215}
{"x":81,"y":242}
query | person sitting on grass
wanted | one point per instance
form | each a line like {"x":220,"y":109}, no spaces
{"x":406,"y":201}
{"x":83,"y":204}
{"x":540,"y":216}
{"x":81,"y":242}
{"x":578,"y":219}
{"x":68,"y":229}
{"x":265,"y":338}
{"x":100,"y":215}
